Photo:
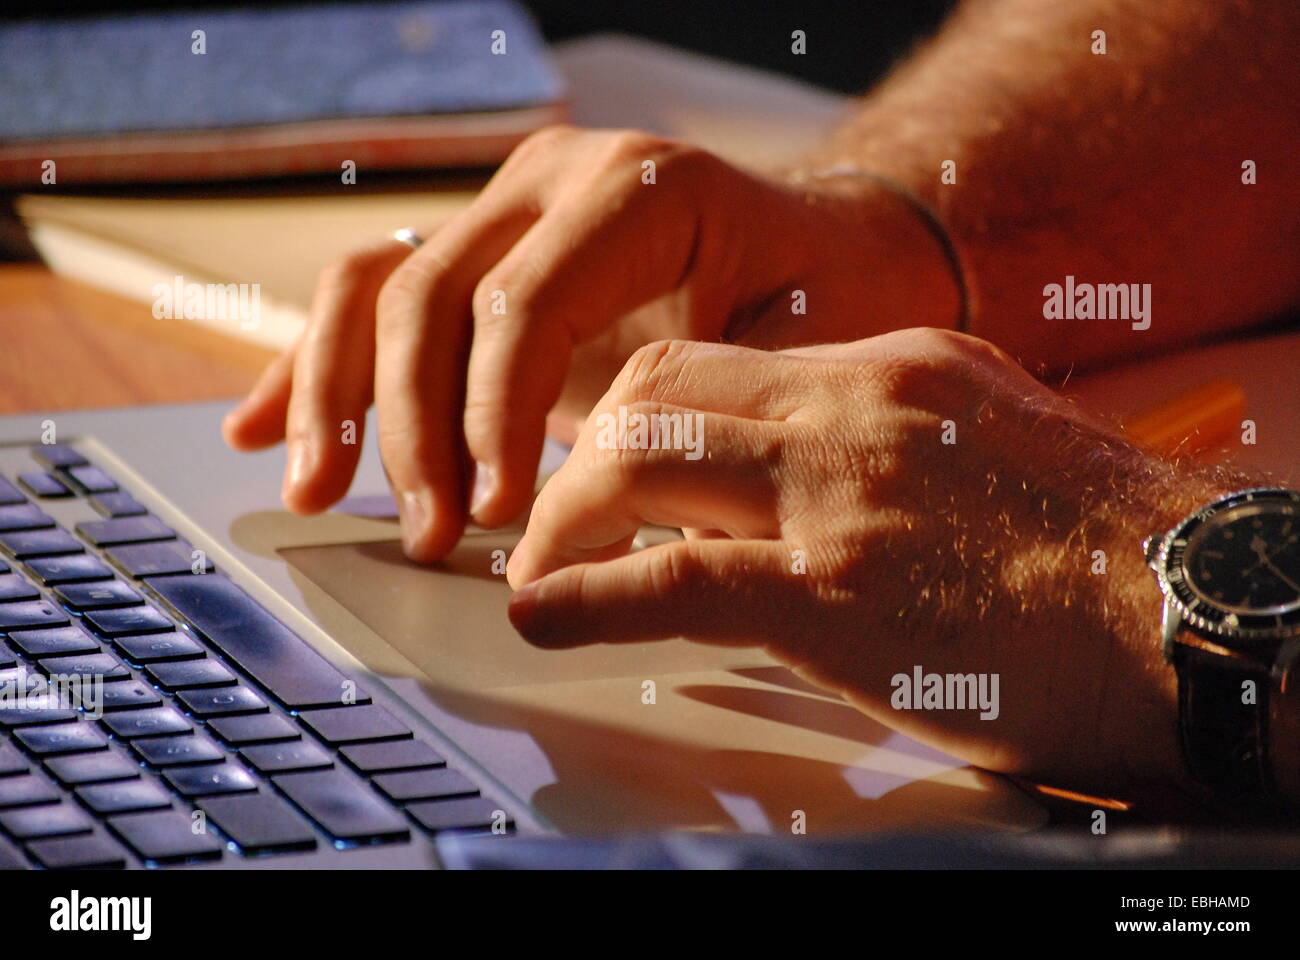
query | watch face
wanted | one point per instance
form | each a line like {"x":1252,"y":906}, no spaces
{"x":1235,"y":566}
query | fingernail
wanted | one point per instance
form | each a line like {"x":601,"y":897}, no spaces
{"x":415,"y":510}
{"x":522,"y":610}
{"x":485,"y":485}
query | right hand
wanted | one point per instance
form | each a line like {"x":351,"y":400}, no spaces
{"x":525,"y":306}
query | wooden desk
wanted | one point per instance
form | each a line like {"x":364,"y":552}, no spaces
{"x":65,"y":346}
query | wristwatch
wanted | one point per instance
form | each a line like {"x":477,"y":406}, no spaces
{"x":1230,"y":575}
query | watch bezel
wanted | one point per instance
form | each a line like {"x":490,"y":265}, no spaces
{"x":1199,"y":612}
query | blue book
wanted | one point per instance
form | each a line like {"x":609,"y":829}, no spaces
{"x":232,"y":93}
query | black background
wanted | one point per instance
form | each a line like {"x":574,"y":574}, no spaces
{"x":851,"y":43}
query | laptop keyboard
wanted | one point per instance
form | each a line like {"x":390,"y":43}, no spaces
{"x":219,"y":733}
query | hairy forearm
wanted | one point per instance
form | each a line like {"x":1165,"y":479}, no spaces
{"x":1123,"y":167}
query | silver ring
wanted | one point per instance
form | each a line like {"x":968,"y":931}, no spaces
{"x":409,"y":237}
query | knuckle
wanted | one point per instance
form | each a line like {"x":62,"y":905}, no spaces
{"x":403,"y":295}
{"x":636,"y":145}
{"x":343,"y":272}
{"x":539,"y":144}
{"x":677,"y":573}
{"x":980,"y":349}
{"x":505,"y":295}
{"x":628,"y":149}
{"x":899,"y":379}
{"x":653,"y":366}
{"x":547,"y":138}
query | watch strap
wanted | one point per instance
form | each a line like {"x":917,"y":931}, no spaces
{"x":1224,"y":740}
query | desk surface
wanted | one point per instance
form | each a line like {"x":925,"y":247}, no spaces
{"x":67,"y":347}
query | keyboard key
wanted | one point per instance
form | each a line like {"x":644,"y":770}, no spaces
{"x":165,"y":837}
{"x":11,"y":857}
{"x":222,"y":700}
{"x":255,"y":641}
{"x":7,"y":657}
{"x":25,"y":544}
{"x":91,"y":768}
{"x":110,"y":533}
{"x":92,"y":664}
{"x":340,"y":725}
{"x":31,"y":613}
{"x":271,"y":758}
{"x":30,"y":714}
{"x":210,"y":779}
{"x":61,"y":738}
{"x":174,"y":751}
{"x":92,"y":479}
{"x":92,"y":851}
{"x":122,"y":621}
{"x":124,"y":796}
{"x":154,"y":722}
{"x":78,"y":568}
{"x":26,"y":789}
{"x":11,"y":761}
{"x":464,"y":813}
{"x":259,"y":728}
{"x":130,"y":695}
{"x":24,"y":516}
{"x":438,"y":784}
{"x":163,"y":558}
{"x":259,"y":822}
{"x":391,"y":756}
{"x":14,"y":587}
{"x":56,"y":455}
{"x":47,"y":820}
{"x":9,"y":493}
{"x":42,"y":484}
{"x":117,"y":505}
{"x":190,"y":674}
{"x":61,"y":641}
{"x":158,"y":646}
{"x":95,"y":596}
{"x":343,"y":805}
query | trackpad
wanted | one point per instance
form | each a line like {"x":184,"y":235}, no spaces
{"x":451,"y":620}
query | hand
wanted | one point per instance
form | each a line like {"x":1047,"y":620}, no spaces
{"x":528,"y":303}
{"x":849,"y":540}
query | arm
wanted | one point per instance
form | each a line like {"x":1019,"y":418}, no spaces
{"x":513,"y":317}
{"x":1117,"y":168}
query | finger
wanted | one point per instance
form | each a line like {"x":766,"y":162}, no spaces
{"x":333,"y":378}
{"x":423,"y":327}
{"x":585,"y":263}
{"x":605,"y":492}
{"x":729,"y":592}
{"x":258,"y":420}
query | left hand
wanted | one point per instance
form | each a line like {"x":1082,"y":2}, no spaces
{"x":829,"y":521}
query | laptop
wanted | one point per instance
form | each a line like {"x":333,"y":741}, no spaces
{"x":260,"y":690}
